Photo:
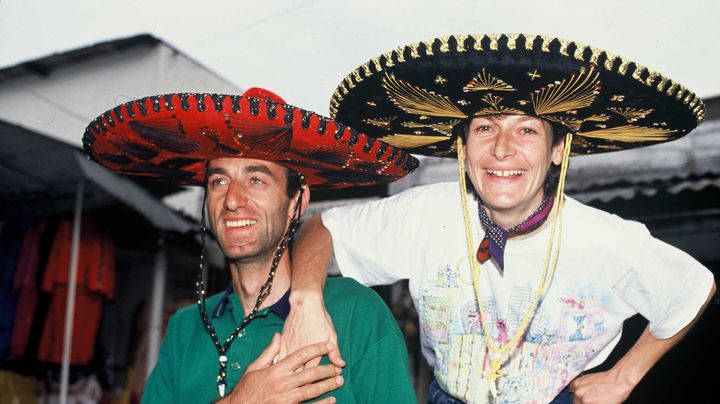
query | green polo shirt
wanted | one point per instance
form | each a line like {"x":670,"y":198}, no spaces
{"x":370,"y":342}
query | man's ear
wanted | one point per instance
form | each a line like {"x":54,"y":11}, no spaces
{"x":305,"y":199}
{"x":293,"y":203}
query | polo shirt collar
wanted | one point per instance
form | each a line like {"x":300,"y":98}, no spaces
{"x":281,"y":308}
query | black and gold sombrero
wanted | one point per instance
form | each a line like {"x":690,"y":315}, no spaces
{"x":170,"y":137}
{"x":415,"y":96}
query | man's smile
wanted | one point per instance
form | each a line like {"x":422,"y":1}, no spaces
{"x":240,"y":223}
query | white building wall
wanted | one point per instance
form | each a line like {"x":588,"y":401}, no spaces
{"x":63,"y":103}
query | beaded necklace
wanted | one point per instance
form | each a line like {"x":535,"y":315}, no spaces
{"x":222,"y":348}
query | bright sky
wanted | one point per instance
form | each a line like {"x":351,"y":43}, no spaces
{"x":302,"y":49}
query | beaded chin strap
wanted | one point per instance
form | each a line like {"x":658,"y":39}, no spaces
{"x":553,"y":249}
{"x":264,"y":291}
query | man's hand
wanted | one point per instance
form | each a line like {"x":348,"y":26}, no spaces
{"x":287,"y":381}
{"x":602,"y":387}
{"x":308,"y":322}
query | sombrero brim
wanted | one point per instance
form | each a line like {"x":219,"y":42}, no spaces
{"x":170,"y":137}
{"x":416,"y":96}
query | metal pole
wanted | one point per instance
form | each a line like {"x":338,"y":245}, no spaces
{"x":70,"y":302}
{"x":157,"y":305}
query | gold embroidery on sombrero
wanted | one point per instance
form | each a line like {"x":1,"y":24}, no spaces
{"x":495,"y":107}
{"x":494,"y":40}
{"x":569,"y":122}
{"x":610,"y":62}
{"x":460,"y":42}
{"x":442,"y":127}
{"x":631,"y":114}
{"x":399,"y":54}
{"x":574,"y":123}
{"x":444,"y":44}
{"x":411,"y":141}
{"x":477,"y":44}
{"x":630,"y":134}
{"x":652,"y":75}
{"x":383,"y":123}
{"x":597,"y":118}
{"x":357,"y":76}
{"x":512,"y":40}
{"x":416,"y":100}
{"x":413,"y":53}
{"x":534,"y":75}
{"x":564,"y":44}
{"x":428,"y":47}
{"x":486,"y":81}
{"x":579,"y":91}
{"x":388,"y":59}
{"x":366,"y":68}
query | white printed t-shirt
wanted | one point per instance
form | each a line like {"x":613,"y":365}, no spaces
{"x":608,"y":270}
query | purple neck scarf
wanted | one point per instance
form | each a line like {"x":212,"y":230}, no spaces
{"x":493,"y":244}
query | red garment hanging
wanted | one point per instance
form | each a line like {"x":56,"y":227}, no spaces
{"x":95,"y":280}
{"x":24,"y":284}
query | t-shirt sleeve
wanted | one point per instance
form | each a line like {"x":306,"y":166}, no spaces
{"x":378,"y":242}
{"x":160,"y":386}
{"x":664,"y":284}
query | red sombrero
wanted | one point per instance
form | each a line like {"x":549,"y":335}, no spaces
{"x":170,"y":137}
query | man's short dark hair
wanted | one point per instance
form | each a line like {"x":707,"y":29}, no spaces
{"x":558,"y":135}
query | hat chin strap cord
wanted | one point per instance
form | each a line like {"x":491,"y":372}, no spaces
{"x":499,"y":355}
{"x":222,"y":348}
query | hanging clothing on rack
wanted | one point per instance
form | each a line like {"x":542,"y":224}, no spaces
{"x":25,"y":287}
{"x":95,"y":282}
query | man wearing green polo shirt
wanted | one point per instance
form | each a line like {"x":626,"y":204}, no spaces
{"x":249,"y":208}
{"x":257,"y":157}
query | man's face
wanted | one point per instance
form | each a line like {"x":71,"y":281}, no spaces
{"x":508,"y":158}
{"x":248,"y":206}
